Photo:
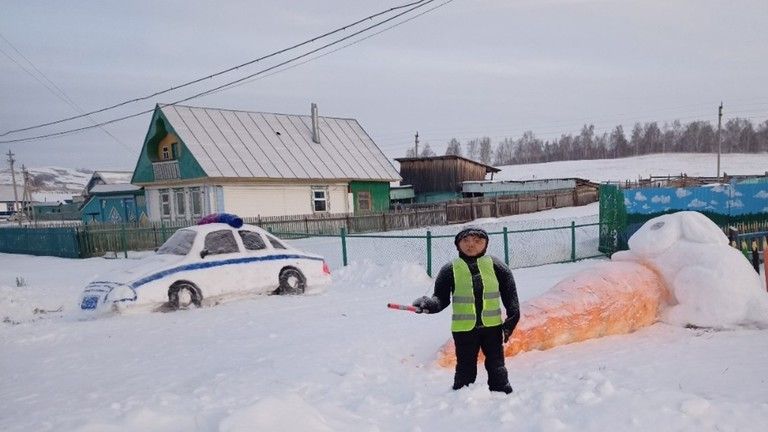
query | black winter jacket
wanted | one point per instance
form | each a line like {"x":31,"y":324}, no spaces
{"x":444,"y":287}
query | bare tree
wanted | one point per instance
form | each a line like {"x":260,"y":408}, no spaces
{"x":453,"y":148}
{"x":485,"y":150}
{"x":473,"y":149}
{"x":426,"y":151}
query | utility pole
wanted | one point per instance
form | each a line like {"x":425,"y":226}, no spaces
{"x":719,"y":144}
{"x":26,"y":196}
{"x":417,"y":144}
{"x":11,"y":160}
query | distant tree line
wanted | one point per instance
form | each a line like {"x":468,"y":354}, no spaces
{"x":737,"y":136}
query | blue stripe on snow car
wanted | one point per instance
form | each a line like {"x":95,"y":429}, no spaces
{"x":209,"y":264}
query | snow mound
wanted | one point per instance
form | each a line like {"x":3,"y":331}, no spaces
{"x":711,"y":283}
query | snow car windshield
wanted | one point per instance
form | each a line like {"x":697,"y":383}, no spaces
{"x":180,"y":243}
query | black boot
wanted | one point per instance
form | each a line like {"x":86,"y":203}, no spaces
{"x":458,"y":385}
{"x":506,"y":389}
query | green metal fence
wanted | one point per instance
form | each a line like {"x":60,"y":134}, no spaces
{"x":432,"y":248}
{"x":62,"y":242}
{"x":518,"y":248}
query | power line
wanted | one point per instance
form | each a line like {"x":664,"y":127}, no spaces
{"x":233,"y":68}
{"x":223,"y":86}
{"x":339,"y":48}
{"x":56,"y":90}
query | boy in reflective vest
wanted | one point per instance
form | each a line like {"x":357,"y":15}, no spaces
{"x":478,"y":285}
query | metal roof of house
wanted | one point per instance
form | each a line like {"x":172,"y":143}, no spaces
{"x":228,"y":143}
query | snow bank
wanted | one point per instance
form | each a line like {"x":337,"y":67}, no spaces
{"x":711,"y":283}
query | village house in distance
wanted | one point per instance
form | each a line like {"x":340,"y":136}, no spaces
{"x":197,"y":161}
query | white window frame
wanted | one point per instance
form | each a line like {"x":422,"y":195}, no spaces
{"x":165,"y":193}
{"x":316,"y":200}
{"x":196,"y":197}
{"x":183,"y":193}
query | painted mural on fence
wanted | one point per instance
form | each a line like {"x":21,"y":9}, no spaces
{"x":741,"y":201}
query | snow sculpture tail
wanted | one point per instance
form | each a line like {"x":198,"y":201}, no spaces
{"x":611,"y":298}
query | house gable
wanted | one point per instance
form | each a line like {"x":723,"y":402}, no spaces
{"x":164,"y":152}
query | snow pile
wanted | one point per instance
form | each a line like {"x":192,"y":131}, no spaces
{"x":711,"y":283}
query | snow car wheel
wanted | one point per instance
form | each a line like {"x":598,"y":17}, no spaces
{"x":292,"y":282}
{"x":183,"y":295}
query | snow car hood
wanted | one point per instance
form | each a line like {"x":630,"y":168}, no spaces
{"x":118,"y":287}
{"x":142,"y":268}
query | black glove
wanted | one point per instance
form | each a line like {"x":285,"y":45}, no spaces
{"x":425,"y":304}
{"x":507,"y":327}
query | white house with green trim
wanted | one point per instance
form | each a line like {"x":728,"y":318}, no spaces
{"x":197,"y":161}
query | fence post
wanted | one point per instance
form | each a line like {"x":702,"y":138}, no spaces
{"x":765,"y":261}
{"x":506,"y":246}
{"x":343,"y":247}
{"x":573,"y":241}
{"x":429,"y":253}
{"x":123,"y":240}
{"x":384,"y":220}
{"x":162,"y":230}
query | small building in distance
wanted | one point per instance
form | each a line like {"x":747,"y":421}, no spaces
{"x":109,"y":197}
{"x":7,"y":201}
{"x":114,"y":203}
{"x":440,"y":178}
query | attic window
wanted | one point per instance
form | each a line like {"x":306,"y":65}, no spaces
{"x":277,"y":133}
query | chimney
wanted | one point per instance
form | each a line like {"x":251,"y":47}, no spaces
{"x":315,"y":124}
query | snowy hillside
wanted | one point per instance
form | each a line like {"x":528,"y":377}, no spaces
{"x":692,"y":164}
{"x":56,"y":180}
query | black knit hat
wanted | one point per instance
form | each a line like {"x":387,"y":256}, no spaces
{"x":468,"y":231}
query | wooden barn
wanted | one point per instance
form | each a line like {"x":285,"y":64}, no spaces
{"x":198,"y":160}
{"x":440,"y":178}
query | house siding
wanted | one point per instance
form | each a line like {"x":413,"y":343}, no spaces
{"x":278,"y":200}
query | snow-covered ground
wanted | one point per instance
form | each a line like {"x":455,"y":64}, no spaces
{"x":341,"y":361}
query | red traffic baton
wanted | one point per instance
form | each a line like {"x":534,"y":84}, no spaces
{"x":402,"y":307}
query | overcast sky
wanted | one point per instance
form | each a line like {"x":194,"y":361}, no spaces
{"x":469,"y":68}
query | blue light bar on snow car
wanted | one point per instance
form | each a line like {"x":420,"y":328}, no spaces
{"x":232,"y":220}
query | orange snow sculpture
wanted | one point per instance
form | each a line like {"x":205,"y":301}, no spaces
{"x":610,"y":298}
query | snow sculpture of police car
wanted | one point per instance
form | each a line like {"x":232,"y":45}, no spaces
{"x":217,"y":257}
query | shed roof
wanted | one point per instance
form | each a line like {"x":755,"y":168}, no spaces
{"x":488,"y":168}
{"x":229,"y":143}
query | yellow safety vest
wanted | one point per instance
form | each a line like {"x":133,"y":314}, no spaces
{"x":464,"y":313}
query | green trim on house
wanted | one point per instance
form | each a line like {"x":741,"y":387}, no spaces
{"x":379,"y":192}
{"x":159,"y":127}
{"x":115,"y":207}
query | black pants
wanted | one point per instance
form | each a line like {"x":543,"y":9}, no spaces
{"x":468,"y":345}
